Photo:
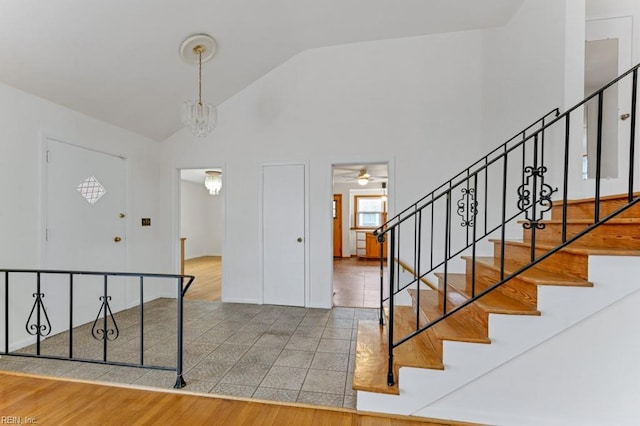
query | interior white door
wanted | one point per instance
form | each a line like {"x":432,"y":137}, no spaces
{"x":283,"y":220}
{"x":85,"y":221}
{"x":609,"y":41}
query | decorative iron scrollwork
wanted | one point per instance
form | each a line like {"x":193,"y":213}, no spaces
{"x":543,"y":198}
{"x":106,"y":332}
{"x":467,"y":207}
{"x":34,"y":326}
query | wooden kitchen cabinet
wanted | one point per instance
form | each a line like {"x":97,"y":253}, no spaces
{"x":367,"y":245}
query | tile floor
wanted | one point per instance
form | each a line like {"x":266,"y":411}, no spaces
{"x":267,"y":352}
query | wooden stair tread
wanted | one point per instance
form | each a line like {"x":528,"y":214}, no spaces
{"x":592,"y":199}
{"x":372,"y":352}
{"x":460,"y":327}
{"x":534,"y":276}
{"x":371,"y":360}
{"x":493,"y":302}
{"x":575,"y":248}
{"x":418,"y":352}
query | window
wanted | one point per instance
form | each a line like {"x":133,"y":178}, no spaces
{"x":370,"y":211}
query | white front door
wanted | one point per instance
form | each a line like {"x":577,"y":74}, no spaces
{"x":283,"y":221}
{"x":86,"y":223}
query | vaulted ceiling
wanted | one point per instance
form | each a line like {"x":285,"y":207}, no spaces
{"x":118,"y":61}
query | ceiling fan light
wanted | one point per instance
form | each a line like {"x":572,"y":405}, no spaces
{"x":363,"y":180}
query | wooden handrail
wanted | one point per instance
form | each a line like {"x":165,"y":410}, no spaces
{"x":412,"y":272}
{"x":182,"y":240}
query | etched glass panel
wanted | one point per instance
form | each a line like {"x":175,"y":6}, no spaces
{"x":91,"y":190}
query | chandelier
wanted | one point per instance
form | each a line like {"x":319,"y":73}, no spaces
{"x":213,"y":181}
{"x":200,"y":118}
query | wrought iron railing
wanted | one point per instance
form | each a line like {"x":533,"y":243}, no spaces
{"x":19,"y":283}
{"x":517,"y":182}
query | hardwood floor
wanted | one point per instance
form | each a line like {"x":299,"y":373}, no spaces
{"x":356,"y":282}
{"x":208,"y":282}
{"x":27,"y":399}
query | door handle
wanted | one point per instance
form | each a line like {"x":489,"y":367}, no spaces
{"x":299,"y":239}
{"x":117,"y":239}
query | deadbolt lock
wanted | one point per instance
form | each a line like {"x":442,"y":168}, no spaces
{"x":299,"y":239}
{"x":117,"y":239}
{"x":122,"y":215}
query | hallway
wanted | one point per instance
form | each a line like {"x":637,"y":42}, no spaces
{"x":208,"y":282}
{"x":356,"y":282}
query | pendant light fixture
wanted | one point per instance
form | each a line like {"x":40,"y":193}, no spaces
{"x":213,"y":181}
{"x":200,"y":118}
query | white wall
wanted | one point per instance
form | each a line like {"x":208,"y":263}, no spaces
{"x":399,"y":102}
{"x":201,"y":220}
{"x":24,"y":122}
{"x":428,"y":106}
{"x":532,"y":65}
{"x":523,"y":69}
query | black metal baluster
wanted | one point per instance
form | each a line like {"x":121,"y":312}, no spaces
{"x":504,"y":211}
{"x":468,"y":207}
{"x":524,"y":160}
{"x":381,"y":238}
{"x":542,"y":143}
{"x":104,"y":340}
{"x":433,"y":201}
{"x":180,"y":383}
{"x":486,"y":193}
{"x":447,"y":242}
{"x":596,"y":212}
{"x":565,"y":186}
{"x":447,"y":252}
{"x":70,"y":315}
{"x":473,"y":248}
{"x":38,"y":329}
{"x":390,"y":380}
{"x":141,"y":320}
{"x":415,"y":261}
{"x":6,"y":312}
{"x":418,"y":272}
{"x":534,"y":201}
{"x":397,"y":264}
{"x":632,"y":136}
{"x":38,"y":296}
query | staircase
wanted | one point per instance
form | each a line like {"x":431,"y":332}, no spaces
{"x":465,"y":301}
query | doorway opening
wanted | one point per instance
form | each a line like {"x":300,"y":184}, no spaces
{"x":202,"y":231}
{"x":360,"y":205}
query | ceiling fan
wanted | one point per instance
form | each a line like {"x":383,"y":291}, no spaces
{"x":361,"y":176}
